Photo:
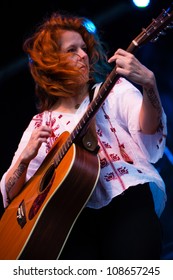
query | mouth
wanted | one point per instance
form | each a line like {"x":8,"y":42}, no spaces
{"x":83,"y":68}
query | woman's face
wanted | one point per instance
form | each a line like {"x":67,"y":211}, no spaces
{"x":72,"y":42}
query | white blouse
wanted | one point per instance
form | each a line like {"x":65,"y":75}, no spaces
{"x":126,"y":155}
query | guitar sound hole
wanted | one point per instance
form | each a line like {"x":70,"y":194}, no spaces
{"x":47,"y":178}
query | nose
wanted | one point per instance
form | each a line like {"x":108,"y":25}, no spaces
{"x":81,"y":53}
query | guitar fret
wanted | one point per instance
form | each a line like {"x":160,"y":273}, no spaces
{"x":62,"y":151}
{"x":74,"y":134}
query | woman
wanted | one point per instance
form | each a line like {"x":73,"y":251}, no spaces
{"x":69,"y":64}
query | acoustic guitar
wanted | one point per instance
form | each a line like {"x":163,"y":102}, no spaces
{"x":38,"y":221}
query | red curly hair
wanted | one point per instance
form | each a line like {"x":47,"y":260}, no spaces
{"x":50,"y":68}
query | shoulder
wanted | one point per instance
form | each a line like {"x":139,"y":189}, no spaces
{"x":123,"y":89}
{"x":123,"y":83}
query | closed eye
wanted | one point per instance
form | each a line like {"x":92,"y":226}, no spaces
{"x":72,"y":50}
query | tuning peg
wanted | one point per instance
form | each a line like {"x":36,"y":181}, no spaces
{"x":155,"y":39}
{"x":162,"y":33}
{"x":169,"y":26}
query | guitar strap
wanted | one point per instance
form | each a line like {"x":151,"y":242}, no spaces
{"x":91,"y":92}
{"x":90,"y":140}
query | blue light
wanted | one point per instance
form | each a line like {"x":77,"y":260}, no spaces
{"x":89,"y":25}
{"x":141,"y":3}
{"x":169,"y":154}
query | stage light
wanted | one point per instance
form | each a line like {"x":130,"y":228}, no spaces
{"x":141,"y":3}
{"x":89,"y":25}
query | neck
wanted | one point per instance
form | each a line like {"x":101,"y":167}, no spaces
{"x":70,"y":104}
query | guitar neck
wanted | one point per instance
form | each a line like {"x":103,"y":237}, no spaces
{"x":96,"y":103}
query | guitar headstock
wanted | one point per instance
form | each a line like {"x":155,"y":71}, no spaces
{"x":156,"y":28}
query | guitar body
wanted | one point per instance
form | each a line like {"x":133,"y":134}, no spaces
{"x":38,"y":221}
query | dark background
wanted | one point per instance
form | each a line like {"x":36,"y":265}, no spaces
{"x":119,"y":22}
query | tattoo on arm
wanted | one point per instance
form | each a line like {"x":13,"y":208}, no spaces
{"x":154,"y":100}
{"x":17,"y":173}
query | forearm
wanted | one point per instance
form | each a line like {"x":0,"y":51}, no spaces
{"x":15,"y":178}
{"x":151,"y":110}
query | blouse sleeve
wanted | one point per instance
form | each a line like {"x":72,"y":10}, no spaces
{"x":152,"y":145}
{"x":127,"y":101}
